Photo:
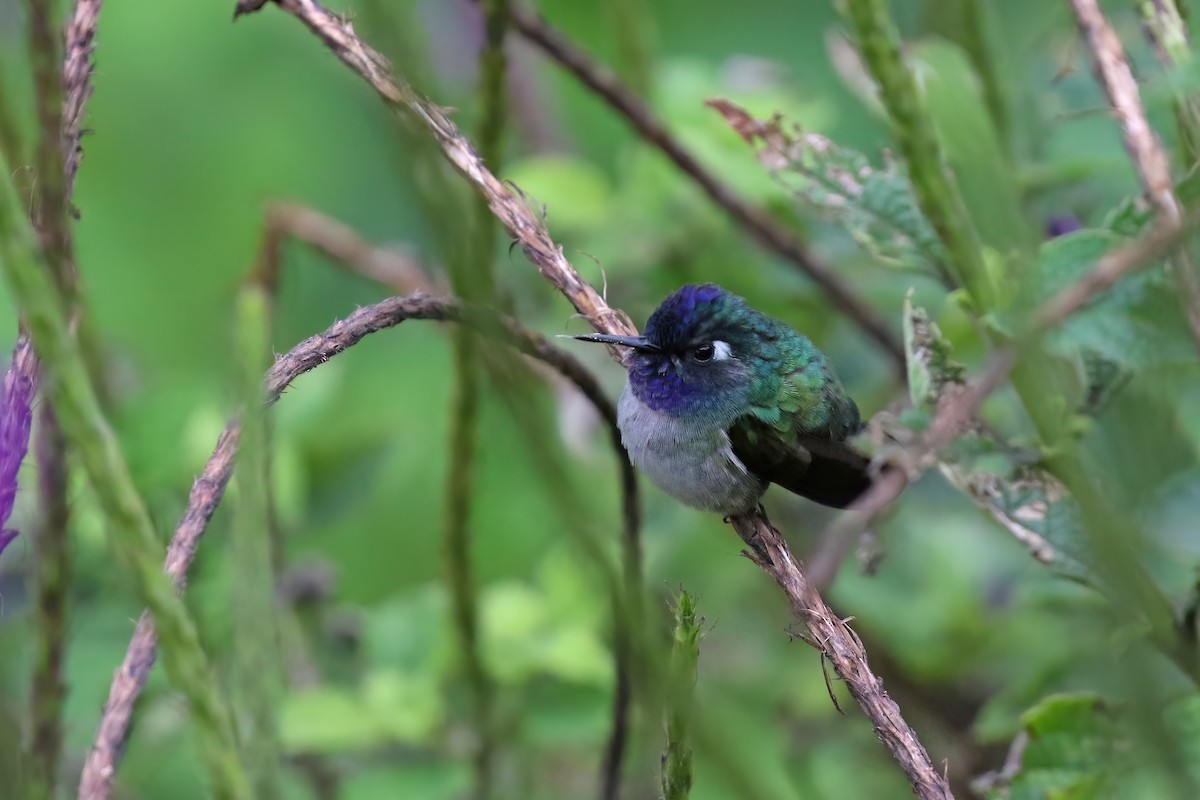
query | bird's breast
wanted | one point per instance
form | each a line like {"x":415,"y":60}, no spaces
{"x":690,"y":461}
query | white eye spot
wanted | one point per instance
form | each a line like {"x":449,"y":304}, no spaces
{"x":721,"y":351}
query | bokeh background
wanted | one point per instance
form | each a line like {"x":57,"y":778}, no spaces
{"x":199,"y":123}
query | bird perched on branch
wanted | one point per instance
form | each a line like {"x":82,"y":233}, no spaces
{"x":723,"y":400}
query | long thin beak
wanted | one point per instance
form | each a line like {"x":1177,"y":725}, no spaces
{"x":636,"y":342}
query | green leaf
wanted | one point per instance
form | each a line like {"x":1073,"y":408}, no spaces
{"x":1025,"y":500}
{"x":1070,"y":751}
{"x":927,"y":353}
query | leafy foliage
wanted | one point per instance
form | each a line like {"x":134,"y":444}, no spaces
{"x":972,"y":631}
{"x":874,"y":205}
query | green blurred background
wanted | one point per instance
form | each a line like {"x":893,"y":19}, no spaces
{"x":199,"y":123}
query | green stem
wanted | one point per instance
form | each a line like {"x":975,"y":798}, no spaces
{"x":934,"y":186}
{"x":459,"y":573}
{"x":88,"y":433}
{"x":256,"y":626}
{"x":685,"y":653}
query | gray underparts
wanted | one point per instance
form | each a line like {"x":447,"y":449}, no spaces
{"x":695,"y":465}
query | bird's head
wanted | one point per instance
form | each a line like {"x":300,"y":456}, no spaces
{"x":692,"y":358}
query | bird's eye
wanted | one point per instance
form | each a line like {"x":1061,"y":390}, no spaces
{"x":704,"y":352}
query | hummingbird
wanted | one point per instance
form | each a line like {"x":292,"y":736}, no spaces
{"x":723,"y":400}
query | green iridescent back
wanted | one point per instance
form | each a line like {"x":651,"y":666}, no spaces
{"x":795,"y":389}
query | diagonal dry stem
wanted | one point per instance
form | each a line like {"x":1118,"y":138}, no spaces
{"x":1145,"y":150}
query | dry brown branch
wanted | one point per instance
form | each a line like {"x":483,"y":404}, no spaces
{"x":345,"y":248}
{"x":1145,"y":150}
{"x":1035,"y":543}
{"x":208,"y":490}
{"x":772,"y":236}
{"x":845,"y":652}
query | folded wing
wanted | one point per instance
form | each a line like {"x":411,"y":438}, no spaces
{"x":825,"y":471}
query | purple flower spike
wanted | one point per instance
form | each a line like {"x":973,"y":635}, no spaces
{"x":16,"y":416}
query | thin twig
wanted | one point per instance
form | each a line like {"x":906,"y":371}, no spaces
{"x":627,"y":613}
{"x":758,"y":224}
{"x":396,"y":270}
{"x":208,"y":490}
{"x":1145,"y":150}
{"x":493,"y":75}
{"x":456,"y":547}
{"x":48,"y":215}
